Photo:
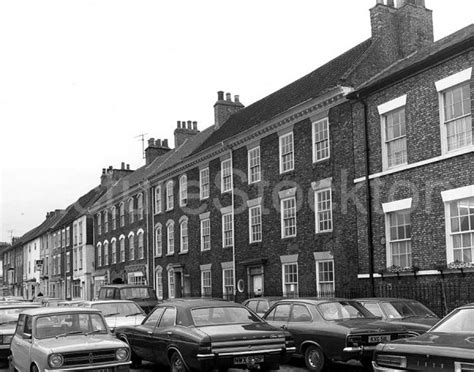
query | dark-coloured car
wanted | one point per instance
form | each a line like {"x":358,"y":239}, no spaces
{"x":143,"y":295}
{"x":260,"y":304}
{"x":448,"y":346}
{"x":327,"y":329}
{"x":9,"y":313}
{"x":410,"y":313}
{"x":203,"y":335}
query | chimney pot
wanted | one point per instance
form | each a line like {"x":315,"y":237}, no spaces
{"x":110,"y":167}
{"x":158,"y":143}
{"x":227,"y":97}
{"x":236,"y":98}
{"x":103,"y":170}
{"x":189,"y":124}
{"x":165,"y":142}
{"x":179,"y":124}
{"x":379,"y":2}
{"x":220,"y":95}
{"x":122,"y":166}
{"x":390,"y":3}
{"x":128,"y":166}
{"x":151,"y":142}
{"x":195,"y":125}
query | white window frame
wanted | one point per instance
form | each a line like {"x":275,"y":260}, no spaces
{"x":122,"y":214}
{"x":99,"y":257}
{"x":184,"y":235}
{"x":159,"y":282}
{"x":319,"y":212}
{"x":322,"y":258}
{"x":451,"y":196}
{"x":169,"y":195}
{"x":398,"y":206}
{"x":113,"y":241}
{"x":206,"y":282}
{"x":122,"y":248}
{"x":114,"y":217}
{"x":291,"y":163}
{"x":131,"y":246}
{"x":171,"y":284}
{"x":315,"y":132}
{"x":226,"y":175}
{"x":106,"y":253}
{"x":285,"y":283}
{"x":255,"y":236}
{"x":183,"y":190}
{"x":158,"y":240}
{"x":442,"y":86}
{"x":226,"y":243}
{"x":225,"y":292}
{"x":99,"y":223}
{"x":140,"y":206}
{"x":131,"y":210}
{"x":170,"y":243}
{"x":204,"y":184}
{"x":203,"y":222}
{"x":254,"y":165}
{"x":106,"y":224}
{"x":140,"y":245}
{"x":282,"y":215}
{"x":158,"y":200}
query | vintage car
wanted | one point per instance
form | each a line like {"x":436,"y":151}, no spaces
{"x":326,"y":330}
{"x":203,"y":335}
{"x":260,"y":304}
{"x":9,"y":312}
{"x":448,"y":346}
{"x":410,"y":313}
{"x":66,"y":339}
{"x":117,"y":313}
{"x":143,"y":295}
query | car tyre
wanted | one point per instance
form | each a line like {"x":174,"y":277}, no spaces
{"x":177,"y":363}
{"x":314,"y":358}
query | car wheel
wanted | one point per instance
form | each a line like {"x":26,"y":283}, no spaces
{"x":177,"y":363}
{"x":136,"y":361}
{"x":314,"y":358}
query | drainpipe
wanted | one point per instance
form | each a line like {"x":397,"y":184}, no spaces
{"x":233,"y":226}
{"x":368,"y":202}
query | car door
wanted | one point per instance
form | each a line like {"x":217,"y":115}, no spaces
{"x":300,"y":324}
{"x":164,"y":335}
{"x":21,"y":343}
{"x":142,"y":337}
{"x":279,"y":315}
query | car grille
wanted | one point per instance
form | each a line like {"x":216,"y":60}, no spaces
{"x":89,"y":357}
{"x":242,"y":346}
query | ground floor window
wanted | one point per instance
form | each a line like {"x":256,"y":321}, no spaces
{"x":171,"y":284}
{"x":159,"y":282}
{"x":290,"y":279}
{"x":76,"y":289}
{"x":136,"y":278}
{"x":325,"y":278}
{"x":228,"y":283}
{"x":206,"y":287}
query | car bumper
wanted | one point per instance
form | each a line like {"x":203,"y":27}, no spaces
{"x":227,"y":360}
{"x":378,"y":368}
{"x":358,"y":353}
{"x":123,"y":367}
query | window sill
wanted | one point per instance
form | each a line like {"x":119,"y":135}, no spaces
{"x":169,"y":254}
{"x":256,"y":242}
{"x":181,"y":253}
{"x":315,"y":162}
{"x":205,"y":250}
{"x":201,"y":198}
{"x":228,"y":246}
{"x":288,"y":237}
{"x":289,"y":171}
{"x":254,"y":182}
{"x":323,"y":232}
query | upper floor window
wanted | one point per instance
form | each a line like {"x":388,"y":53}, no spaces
{"x":320,"y":140}
{"x":74,"y":234}
{"x":114,"y":250}
{"x":106,"y":221}
{"x":254,"y":165}
{"x":99,"y":255}
{"x":122,"y":248}
{"x":158,"y":202}
{"x":99,"y":223}
{"x":169,"y":196}
{"x":184,"y":236}
{"x":141,"y":250}
{"x":122,"y":214}
{"x":206,"y":283}
{"x":68,"y":236}
{"x":455,"y":105}
{"x":288,"y":217}
{"x":255,"y":224}
{"x":204,"y":183}
{"x":80,"y":232}
{"x":114,"y":218}
{"x":158,"y":240}
{"x":140,"y":206}
{"x":286,"y":153}
{"x":131,"y":246}
{"x":227,"y":230}
{"x":106,"y":253}
{"x":323,"y":210}
{"x":170,"y":237}
{"x":205,"y":234}
{"x":131,"y":210}
{"x":183,"y":190}
{"x":226,"y":175}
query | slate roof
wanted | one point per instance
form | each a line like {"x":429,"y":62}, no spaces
{"x":463,"y":39}
{"x":334,"y":73}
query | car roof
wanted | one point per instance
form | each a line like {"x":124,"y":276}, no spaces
{"x":267,"y":298}
{"x":19,"y":304}
{"x":59,"y":310}
{"x":199,"y":302}
{"x":94,"y":302}
{"x":313,"y":300}
{"x":125,"y":286}
{"x":384,"y":299}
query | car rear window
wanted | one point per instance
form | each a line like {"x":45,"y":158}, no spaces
{"x":135,"y":292}
{"x":222,"y":315}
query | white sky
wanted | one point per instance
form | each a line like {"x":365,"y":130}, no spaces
{"x":79,"y":80}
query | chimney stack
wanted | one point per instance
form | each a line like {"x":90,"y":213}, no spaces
{"x":110,"y":175}
{"x":183,"y":132}
{"x":223,"y":109}
{"x":155,"y":149}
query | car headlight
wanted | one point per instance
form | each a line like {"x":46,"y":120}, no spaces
{"x":121,"y":354}
{"x":354,"y":340}
{"x":391,"y":360}
{"x":7,"y":339}
{"x":55,"y":360}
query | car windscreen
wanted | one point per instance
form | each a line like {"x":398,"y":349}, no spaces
{"x":223,"y":315}
{"x":406,"y":309}
{"x":118,"y":309}
{"x":461,"y":321}
{"x":10,"y":315}
{"x":136,"y":293}
{"x":338,"y":310}
{"x":66,"y":324}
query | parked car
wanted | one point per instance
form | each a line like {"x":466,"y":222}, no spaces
{"x":326,"y":330}
{"x":117,"y":313}
{"x":48,"y":301}
{"x":410,"y":313}
{"x":12,"y":299}
{"x":66,"y":338}
{"x":144,"y":296}
{"x":9,"y":312}
{"x":448,"y":346}
{"x":260,"y":305}
{"x":203,"y":335}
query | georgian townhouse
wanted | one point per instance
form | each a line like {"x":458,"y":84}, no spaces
{"x":264,"y":205}
{"x":416,"y":120}
{"x":13,"y":268}
{"x":121,"y":224}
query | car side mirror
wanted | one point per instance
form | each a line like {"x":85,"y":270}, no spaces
{"x":26,"y":336}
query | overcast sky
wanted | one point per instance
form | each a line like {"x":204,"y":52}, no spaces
{"x":80,"y":80}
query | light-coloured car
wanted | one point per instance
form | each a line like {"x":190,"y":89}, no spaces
{"x":66,"y":339}
{"x":9,"y":312}
{"x":118,"y":313}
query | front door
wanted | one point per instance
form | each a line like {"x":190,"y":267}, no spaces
{"x":255,"y":281}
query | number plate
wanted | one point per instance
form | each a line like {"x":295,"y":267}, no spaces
{"x":379,"y":338}
{"x":249,"y":360}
